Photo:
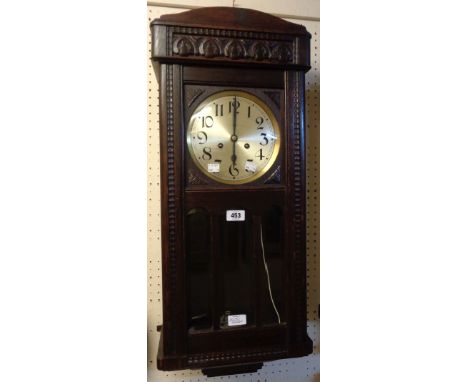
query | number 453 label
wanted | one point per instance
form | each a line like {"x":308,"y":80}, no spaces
{"x":235,"y":215}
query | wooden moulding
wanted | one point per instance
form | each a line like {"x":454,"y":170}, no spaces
{"x":235,"y":36}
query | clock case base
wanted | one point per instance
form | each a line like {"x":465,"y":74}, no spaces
{"x":220,"y":363}
{"x":233,"y":369}
{"x":230,"y":47}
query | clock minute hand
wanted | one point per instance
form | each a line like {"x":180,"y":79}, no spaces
{"x":234,"y":136}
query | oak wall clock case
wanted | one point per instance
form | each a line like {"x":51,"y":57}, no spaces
{"x":232,"y":189}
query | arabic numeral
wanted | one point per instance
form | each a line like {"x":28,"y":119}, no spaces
{"x":219,"y":110}
{"x":207,"y":153}
{"x":233,"y":170}
{"x":264,"y":141}
{"x":259,"y":121}
{"x":203,"y":137}
{"x":236,"y":105}
{"x":259,"y":154}
{"x":207,"y":121}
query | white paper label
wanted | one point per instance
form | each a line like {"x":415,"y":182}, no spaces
{"x":249,"y":166}
{"x":213,"y":167}
{"x":237,"y":319}
{"x":235,"y":215}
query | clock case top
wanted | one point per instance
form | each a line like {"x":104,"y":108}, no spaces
{"x":202,"y":51}
{"x":230,"y":36}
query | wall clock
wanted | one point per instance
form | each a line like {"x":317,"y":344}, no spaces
{"x":232,"y":189}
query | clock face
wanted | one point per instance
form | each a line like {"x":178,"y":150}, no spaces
{"x":233,"y":137}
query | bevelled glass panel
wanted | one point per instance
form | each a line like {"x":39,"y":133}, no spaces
{"x":197,"y":234}
{"x":272,"y":272}
{"x":237,"y":265}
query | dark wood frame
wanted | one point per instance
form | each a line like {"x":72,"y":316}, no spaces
{"x":267,"y":53}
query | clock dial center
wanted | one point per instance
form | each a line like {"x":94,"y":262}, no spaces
{"x":234,"y":138}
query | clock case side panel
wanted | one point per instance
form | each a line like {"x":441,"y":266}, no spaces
{"x":172,"y":348}
{"x":299,"y":343}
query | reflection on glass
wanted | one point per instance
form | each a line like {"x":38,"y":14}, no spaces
{"x":273,"y":243}
{"x":237,"y":265}
{"x":197,"y":235}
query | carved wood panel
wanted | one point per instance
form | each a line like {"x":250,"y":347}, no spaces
{"x":235,"y":48}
